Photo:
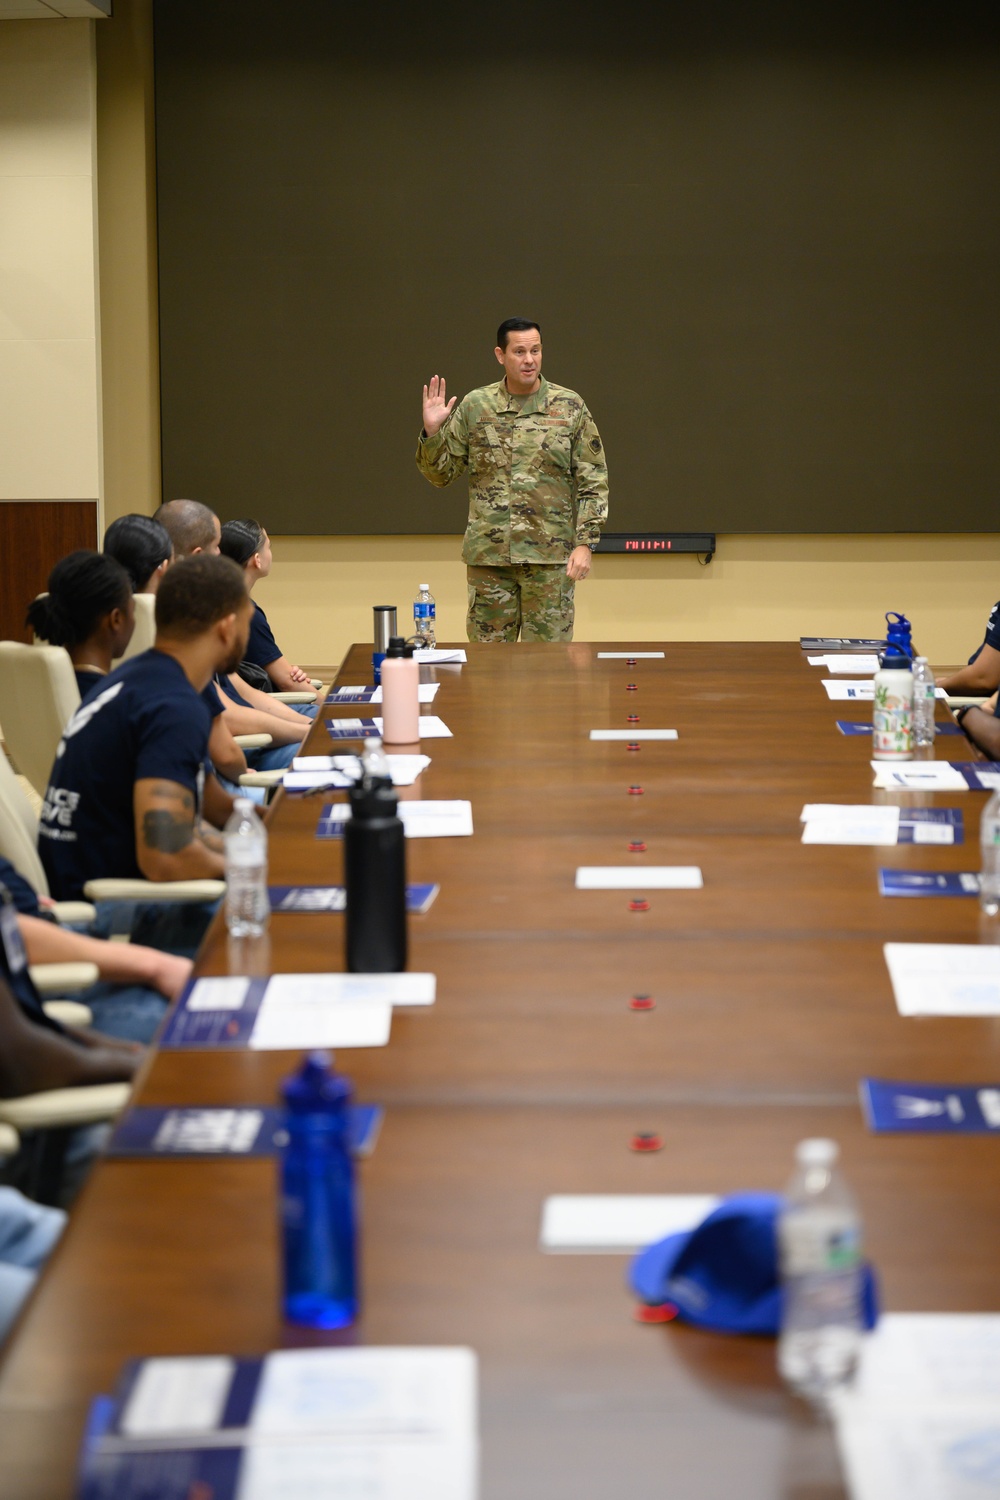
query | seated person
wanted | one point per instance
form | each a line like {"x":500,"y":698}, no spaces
{"x":982,"y":672}
{"x":37,"y":1054}
{"x":89,"y":610}
{"x":249,"y":545}
{"x":144,"y":549}
{"x":249,"y":711}
{"x":191,"y":526}
{"x":981,"y":724}
{"x":135,"y":984}
{"x":28,"y":1233}
{"x":125,"y":797}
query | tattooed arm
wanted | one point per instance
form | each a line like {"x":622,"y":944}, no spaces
{"x":168,"y":841}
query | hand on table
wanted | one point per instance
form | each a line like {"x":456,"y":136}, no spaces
{"x":437,"y":407}
{"x":578,"y":563}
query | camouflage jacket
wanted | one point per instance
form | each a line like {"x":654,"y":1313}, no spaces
{"x":538,"y":482}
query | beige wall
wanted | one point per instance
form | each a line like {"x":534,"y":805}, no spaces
{"x":49,"y":369}
{"x":320,"y":595}
{"x":127,"y":218}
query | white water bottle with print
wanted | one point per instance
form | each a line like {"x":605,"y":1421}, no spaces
{"x":248,"y":908}
{"x":892,"y":708}
{"x":819,"y":1241}
{"x":924,"y":690}
{"x":424,"y":616}
{"x":989,"y":843}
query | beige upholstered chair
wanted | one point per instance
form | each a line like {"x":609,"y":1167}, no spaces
{"x":38,"y":696}
{"x":144,"y":633}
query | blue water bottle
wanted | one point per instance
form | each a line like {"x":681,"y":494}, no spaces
{"x":318,"y":1209}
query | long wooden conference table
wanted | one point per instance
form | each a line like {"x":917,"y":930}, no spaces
{"x":531,"y":1073}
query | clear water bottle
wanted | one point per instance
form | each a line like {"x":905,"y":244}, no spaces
{"x":989,"y":842}
{"x":923,"y":702}
{"x":248,"y":909}
{"x":424,"y":615}
{"x":819,"y":1237}
{"x":318,"y":1208}
{"x":374,"y":761}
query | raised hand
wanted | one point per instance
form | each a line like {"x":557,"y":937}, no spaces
{"x":437,"y":407}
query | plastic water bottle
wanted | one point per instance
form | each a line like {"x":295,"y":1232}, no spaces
{"x":424,"y":615}
{"x":819,"y":1236}
{"x":989,"y":842}
{"x":318,"y":1208}
{"x":248,"y":909}
{"x":923,"y":702}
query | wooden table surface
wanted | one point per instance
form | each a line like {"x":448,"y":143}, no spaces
{"x":530,"y":1074}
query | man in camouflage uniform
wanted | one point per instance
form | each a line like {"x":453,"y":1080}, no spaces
{"x":538,"y":490}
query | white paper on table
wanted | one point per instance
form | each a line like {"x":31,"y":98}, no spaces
{"x":630,"y":655}
{"x":423,"y":820}
{"x":844,"y":690}
{"x":921,"y":1419}
{"x":218,"y":994}
{"x":178,"y":1395}
{"x":633,"y":734}
{"x":350,"y":989}
{"x":918,"y":776}
{"x":846,"y":662}
{"x":308,"y":781}
{"x":639,"y":878}
{"x":841,"y":823}
{"x":404,"y":769}
{"x":944,"y":979}
{"x":618,"y":1223}
{"x":859,"y":690}
{"x":373,"y":1468}
{"x":319,"y":1010}
{"x":431,"y":727}
{"x":431,"y":654}
{"x":367,"y":1392}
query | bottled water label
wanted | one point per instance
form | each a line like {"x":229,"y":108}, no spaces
{"x":819,"y":1241}
{"x":423,"y":611}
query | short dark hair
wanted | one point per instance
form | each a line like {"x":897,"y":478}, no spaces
{"x":514,"y":325}
{"x":188,"y":523}
{"x":196,"y":593}
{"x":140,"y":544}
{"x":241,"y":539}
{"x":83,"y":587}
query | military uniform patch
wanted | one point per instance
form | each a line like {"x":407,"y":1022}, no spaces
{"x":595,"y":445}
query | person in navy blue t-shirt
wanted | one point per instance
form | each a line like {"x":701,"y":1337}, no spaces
{"x":982,"y":673}
{"x":125,"y":793}
{"x":88,"y":609}
{"x":249,"y":545}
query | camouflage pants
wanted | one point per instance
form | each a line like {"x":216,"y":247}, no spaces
{"x":533,"y":598}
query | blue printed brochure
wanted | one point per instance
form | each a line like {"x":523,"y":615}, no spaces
{"x":352,"y":729}
{"x":927,"y":883}
{"x":350,"y":695}
{"x":145,"y":1131}
{"x":930,"y":825}
{"x":930,"y":1108}
{"x":419,"y":898}
{"x":982,"y":775}
{"x":851,"y":727}
{"x":292,"y":1012}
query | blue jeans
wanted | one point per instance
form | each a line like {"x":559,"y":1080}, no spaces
{"x":310,"y":710}
{"x":173,"y":927}
{"x":129,"y":1011}
{"x":273,"y":757}
{"x":27,"y":1234}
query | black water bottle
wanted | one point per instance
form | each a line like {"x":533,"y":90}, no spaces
{"x":375,"y":871}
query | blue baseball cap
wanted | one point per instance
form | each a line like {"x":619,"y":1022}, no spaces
{"x":723,"y":1275}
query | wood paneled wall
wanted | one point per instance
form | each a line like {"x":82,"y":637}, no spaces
{"x":34,"y":535}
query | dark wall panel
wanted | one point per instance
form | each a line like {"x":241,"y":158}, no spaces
{"x":34,"y":535}
{"x":763,"y":241}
